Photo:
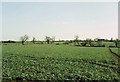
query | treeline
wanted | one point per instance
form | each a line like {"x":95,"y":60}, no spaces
{"x":76,"y":41}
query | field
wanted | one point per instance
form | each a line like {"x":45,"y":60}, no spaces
{"x":109,"y":44}
{"x":57,"y":62}
{"x":116,"y":50}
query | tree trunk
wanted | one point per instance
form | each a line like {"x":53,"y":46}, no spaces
{"x":22,"y":42}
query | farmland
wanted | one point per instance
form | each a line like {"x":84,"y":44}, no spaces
{"x":116,"y":50}
{"x":57,"y":62}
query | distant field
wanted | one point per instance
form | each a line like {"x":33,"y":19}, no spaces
{"x":109,"y":44}
{"x":57,"y":62}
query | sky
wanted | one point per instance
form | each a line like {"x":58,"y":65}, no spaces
{"x":60,"y":0}
{"x":63,"y":20}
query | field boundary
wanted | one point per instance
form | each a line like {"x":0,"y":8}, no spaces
{"x":114,"y":52}
{"x":117,"y":57}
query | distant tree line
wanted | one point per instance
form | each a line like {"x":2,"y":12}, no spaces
{"x":9,"y":41}
{"x":76,"y":41}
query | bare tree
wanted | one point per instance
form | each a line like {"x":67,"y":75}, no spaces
{"x":33,"y":40}
{"x":52,"y":39}
{"x":88,"y":41}
{"x":116,"y":42}
{"x":24,"y":39}
{"x":76,"y":41}
{"x":96,"y":39}
{"x":47,"y":39}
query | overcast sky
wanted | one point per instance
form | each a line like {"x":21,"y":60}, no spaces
{"x":63,"y":20}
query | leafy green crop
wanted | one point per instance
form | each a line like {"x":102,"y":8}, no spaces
{"x":57,"y":62}
{"x":116,"y":50}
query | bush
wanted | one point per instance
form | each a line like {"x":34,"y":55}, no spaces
{"x":111,"y":46}
{"x":83,"y":44}
{"x":41,"y":42}
{"x":57,"y":43}
{"x":66,"y":42}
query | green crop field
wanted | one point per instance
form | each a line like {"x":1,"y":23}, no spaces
{"x":116,"y":50}
{"x":57,"y":62}
{"x":109,"y":44}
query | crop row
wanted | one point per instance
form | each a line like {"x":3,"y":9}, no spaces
{"x":49,"y":68}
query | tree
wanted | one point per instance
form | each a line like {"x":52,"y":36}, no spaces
{"x":76,"y":41}
{"x":96,"y":39}
{"x":88,"y":41}
{"x":47,"y":38}
{"x":33,"y":40}
{"x":111,"y":40}
{"x":52,"y":39}
{"x":116,"y":42}
{"x":24,"y":39}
